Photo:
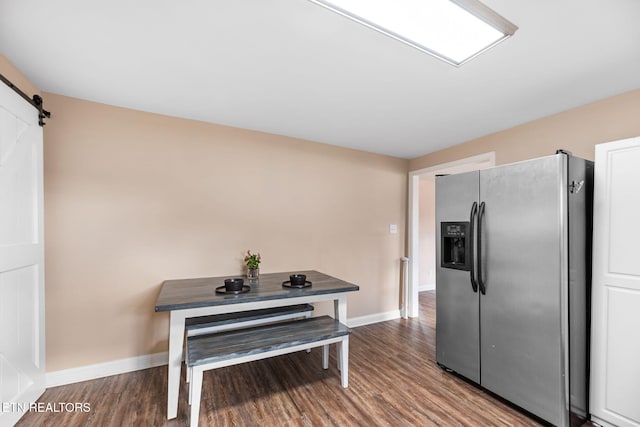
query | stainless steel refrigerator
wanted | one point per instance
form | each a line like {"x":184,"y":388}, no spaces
{"x":513,"y":279}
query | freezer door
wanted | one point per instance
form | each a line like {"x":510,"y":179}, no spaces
{"x":457,"y":315}
{"x":521,"y":315}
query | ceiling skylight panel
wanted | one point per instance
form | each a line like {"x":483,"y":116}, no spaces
{"x":452,"y":30}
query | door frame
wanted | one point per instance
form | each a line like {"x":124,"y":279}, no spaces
{"x":410,"y":300}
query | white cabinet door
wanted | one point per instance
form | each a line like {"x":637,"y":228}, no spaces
{"x":22,"y":344}
{"x":615,"y":345}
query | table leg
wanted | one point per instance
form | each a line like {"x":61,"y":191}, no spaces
{"x":340,"y":314}
{"x":176,"y":342}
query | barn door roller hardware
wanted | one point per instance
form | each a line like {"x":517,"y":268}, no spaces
{"x":36,"y":101}
{"x":42,"y":113}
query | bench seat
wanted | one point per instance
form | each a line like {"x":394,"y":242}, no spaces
{"x":233,"y":347}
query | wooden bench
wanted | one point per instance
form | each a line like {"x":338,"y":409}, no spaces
{"x":223,"y":322}
{"x":222,"y":349}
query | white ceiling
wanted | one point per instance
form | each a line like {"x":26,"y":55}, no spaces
{"x":291,"y":67}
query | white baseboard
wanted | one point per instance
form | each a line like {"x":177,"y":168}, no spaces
{"x":100,"y":370}
{"x":373,"y":318}
{"x":122,"y":366}
{"x":427,"y":287}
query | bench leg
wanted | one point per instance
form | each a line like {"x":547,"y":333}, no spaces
{"x":344,"y":361}
{"x":325,"y":356}
{"x":189,"y":381}
{"x":195,"y":394}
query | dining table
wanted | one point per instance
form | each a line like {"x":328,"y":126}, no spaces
{"x":186,"y":298}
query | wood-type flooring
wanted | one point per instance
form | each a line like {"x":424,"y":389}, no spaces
{"x":393,"y":381}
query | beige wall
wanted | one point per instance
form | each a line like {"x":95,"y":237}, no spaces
{"x":134,"y":198}
{"x":576,"y":130}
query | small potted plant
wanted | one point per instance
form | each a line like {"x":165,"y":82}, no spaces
{"x":253,"y":265}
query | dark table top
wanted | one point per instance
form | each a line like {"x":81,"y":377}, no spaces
{"x":192,"y":293}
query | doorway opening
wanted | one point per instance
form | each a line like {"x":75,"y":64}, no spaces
{"x":421,"y":230}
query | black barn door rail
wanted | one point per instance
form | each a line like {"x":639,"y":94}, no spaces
{"x":36,"y":101}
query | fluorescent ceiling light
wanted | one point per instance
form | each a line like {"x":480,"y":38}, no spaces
{"x":452,"y":30}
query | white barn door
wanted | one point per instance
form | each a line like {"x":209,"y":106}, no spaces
{"x":22,"y":342}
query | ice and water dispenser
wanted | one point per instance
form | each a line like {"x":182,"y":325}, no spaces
{"x":455,"y":244}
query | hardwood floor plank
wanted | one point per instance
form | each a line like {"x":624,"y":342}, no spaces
{"x":393,"y":381}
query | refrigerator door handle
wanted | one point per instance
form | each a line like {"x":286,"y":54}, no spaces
{"x":472,"y":274}
{"x":483,"y":289}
